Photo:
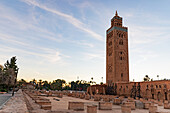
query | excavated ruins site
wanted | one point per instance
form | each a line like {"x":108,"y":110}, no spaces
{"x":32,"y":101}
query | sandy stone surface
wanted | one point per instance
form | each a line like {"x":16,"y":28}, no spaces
{"x":62,"y":105}
{"x":16,"y":104}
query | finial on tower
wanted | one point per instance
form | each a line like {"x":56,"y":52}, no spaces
{"x":116,"y":13}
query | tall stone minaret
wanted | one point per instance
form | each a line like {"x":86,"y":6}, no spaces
{"x":117,"y":60}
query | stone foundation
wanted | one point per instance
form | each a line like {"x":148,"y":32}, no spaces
{"x":78,"y":106}
{"x":126,"y":109}
{"x":146,"y":105}
{"x":105,"y":106}
{"x":152,"y":109}
{"x":117,"y":101}
{"x":87,"y":97}
{"x":131,"y":104}
{"x":91,"y":109}
{"x":46,"y":107}
{"x":166,"y":105}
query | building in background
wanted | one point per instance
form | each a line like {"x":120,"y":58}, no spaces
{"x":117,"y":69}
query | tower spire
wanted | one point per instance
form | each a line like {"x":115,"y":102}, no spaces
{"x":116,"y":13}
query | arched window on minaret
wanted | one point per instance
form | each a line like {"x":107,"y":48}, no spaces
{"x":119,"y":35}
{"x":121,"y":42}
{"x":122,"y":35}
{"x":121,"y":76}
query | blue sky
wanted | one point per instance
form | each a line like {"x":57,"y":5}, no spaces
{"x":66,"y":38}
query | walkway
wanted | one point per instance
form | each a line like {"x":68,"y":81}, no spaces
{"x":4,"y":98}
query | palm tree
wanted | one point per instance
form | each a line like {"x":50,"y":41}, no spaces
{"x":45,"y":85}
{"x":40,"y":83}
{"x":21,"y":82}
{"x":34,"y":81}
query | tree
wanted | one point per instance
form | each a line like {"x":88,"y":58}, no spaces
{"x":57,"y":84}
{"x":10,"y":71}
{"x":46,"y":85}
{"x":21,"y":82}
{"x":13,"y":65}
{"x":79,"y":85}
{"x":40,"y":82}
{"x":34,"y":81}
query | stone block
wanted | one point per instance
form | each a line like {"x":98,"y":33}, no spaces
{"x":131,"y":104}
{"x":96,"y":98}
{"x":60,"y":95}
{"x":78,"y":106}
{"x":160,"y":103}
{"x":126,"y":109}
{"x":166,"y":105}
{"x":82,"y":96}
{"x":139,"y":104}
{"x":152,"y":109}
{"x":91,"y":109}
{"x":43,"y":102}
{"x":87,"y":97}
{"x":155,"y":102}
{"x":77,"y":95}
{"x":106,"y":99}
{"x":69,"y":94}
{"x":146,"y":105}
{"x":46,"y":107}
{"x":117,"y":101}
{"x":105,"y":106}
{"x":49,"y":93}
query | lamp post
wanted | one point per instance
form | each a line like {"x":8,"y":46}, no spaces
{"x":102,"y":79}
{"x":158,"y":77}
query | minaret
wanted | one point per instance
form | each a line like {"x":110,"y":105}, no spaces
{"x":117,"y":61}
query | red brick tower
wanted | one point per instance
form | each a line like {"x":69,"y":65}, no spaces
{"x":117,"y":60}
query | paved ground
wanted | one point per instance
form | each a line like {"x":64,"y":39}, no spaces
{"x":62,"y":105}
{"x":4,"y":98}
{"x":16,"y":104}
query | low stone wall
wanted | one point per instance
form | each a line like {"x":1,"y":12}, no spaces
{"x":106,"y":99}
{"x":46,"y":107}
{"x":116,"y":101}
{"x":152,"y":109}
{"x":43,"y":102}
{"x":166,"y":105}
{"x":105,"y":106}
{"x":131,"y":104}
{"x":160,"y":103}
{"x":91,"y":109}
{"x":146,"y":105}
{"x":78,"y":106}
{"x":126,"y":109}
{"x":87,"y":97}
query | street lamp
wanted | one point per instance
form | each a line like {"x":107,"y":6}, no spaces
{"x":102,"y":79}
{"x":158,"y":77}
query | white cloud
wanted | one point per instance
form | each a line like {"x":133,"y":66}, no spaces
{"x":91,"y":56}
{"x":44,"y":54}
{"x":72,"y":20}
